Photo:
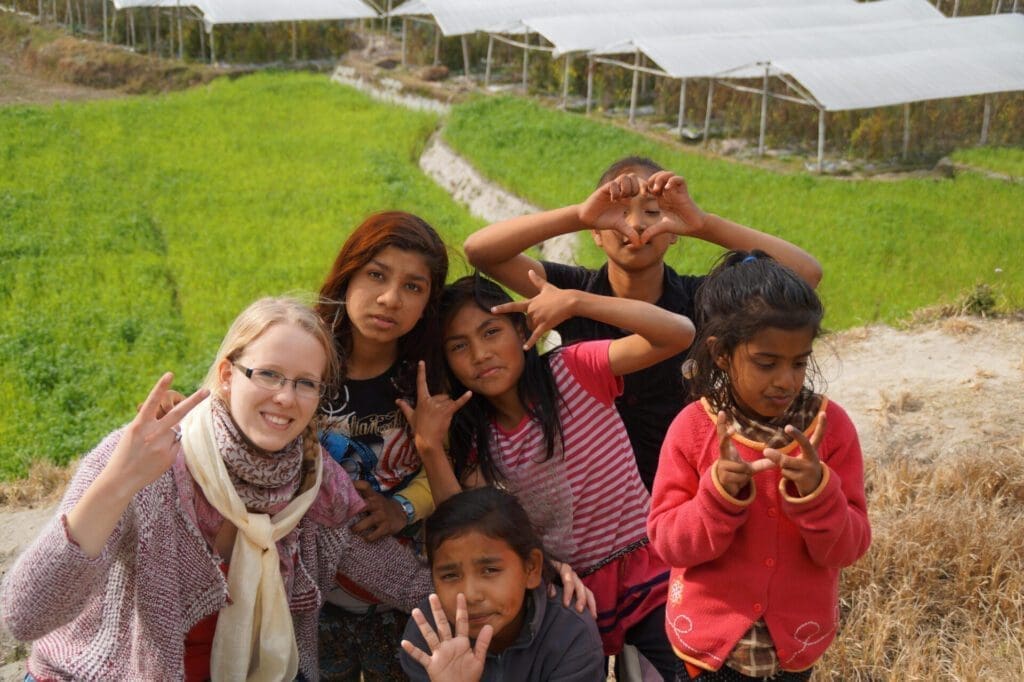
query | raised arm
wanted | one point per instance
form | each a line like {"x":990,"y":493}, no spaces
{"x":498,"y":249}
{"x":682,"y":216}
{"x":657,"y":333}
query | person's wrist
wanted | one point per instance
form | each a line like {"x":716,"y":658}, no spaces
{"x":407,"y":508}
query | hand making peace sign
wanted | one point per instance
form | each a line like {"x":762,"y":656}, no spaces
{"x":150,"y":442}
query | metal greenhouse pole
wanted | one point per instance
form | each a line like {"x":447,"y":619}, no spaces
{"x":821,"y":139}
{"x":437,"y":44}
{"x":526,"y":59}
{"x":465,"y":55}
{"x":985,"y":120}
{"x":490,"y":56}
{"x":707,"y":113}
{"x":633,"y":92}
{"x":405,"y":29}
{"x":764,"y":110}
{"x":590,"y":80}
{"x":565,"y":83}
{"x":181,"y":35}
{"x":682,"y":106}
{"x":906,"y":131}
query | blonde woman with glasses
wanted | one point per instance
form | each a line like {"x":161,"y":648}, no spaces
{"x":198,"y":544}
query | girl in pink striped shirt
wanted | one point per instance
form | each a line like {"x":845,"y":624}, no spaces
{"x":545,"y":427}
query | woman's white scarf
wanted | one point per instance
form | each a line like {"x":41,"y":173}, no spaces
{"x":255,"y":637}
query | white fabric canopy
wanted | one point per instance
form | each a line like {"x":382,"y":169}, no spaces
{"x":262,"y":11}
{"x":619,"y":32}
{"x":856,"y":67}
{"x":845,"y":83}
{"x":458,"y":17}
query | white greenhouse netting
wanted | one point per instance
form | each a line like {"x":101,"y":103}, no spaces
{"x":609,"y":34}
{"x":263,"y":11}
{"x":744,"y":55}
{"x":459,"y":17}
{"x":845,"y":83}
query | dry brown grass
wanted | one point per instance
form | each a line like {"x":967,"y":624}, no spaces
{"x":940,"y":594}
{"x":44,"y":484}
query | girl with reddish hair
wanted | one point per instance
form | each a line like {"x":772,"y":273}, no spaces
{"x":380,"y":301}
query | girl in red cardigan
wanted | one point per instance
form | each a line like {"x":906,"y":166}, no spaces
{"x":759,"y":497}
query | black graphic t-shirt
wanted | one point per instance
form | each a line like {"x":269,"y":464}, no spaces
{"x":366,"y":433}
{"x":652,"y":397}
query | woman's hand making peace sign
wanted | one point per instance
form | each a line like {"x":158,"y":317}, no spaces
{"x":147,"y":449}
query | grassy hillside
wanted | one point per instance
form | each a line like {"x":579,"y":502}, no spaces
{"x":888,"y":248}
{"x":135,"y":230}
{"x":1005,"y":160}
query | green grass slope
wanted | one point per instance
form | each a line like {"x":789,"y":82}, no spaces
{"x":1005,"y":160}
{"x":133,"y":231}
{"x":887,"y":248}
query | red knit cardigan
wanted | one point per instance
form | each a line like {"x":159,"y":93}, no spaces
{"x":767,"y":556}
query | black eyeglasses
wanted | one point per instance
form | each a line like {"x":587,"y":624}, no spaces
{"x":272,"y":381}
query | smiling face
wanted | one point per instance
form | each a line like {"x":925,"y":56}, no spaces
{"x":767,"y":372}
{"x":485,"y":353}
{"x":494,"y":580}
{"x":272,"y":418}
{"x":386,"y":298}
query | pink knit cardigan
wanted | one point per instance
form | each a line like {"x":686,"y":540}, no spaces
{"x":124,"y":614}
{"x":767,"y":556}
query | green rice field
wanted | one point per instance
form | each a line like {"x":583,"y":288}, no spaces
{"x":134,"y":231}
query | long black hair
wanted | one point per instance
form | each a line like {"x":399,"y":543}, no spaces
{"x":488,"y":511}
{"x":470,"y":428}
{"x":746,"y":292}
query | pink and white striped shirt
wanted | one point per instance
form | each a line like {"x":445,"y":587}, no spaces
{"x":589,"y":503}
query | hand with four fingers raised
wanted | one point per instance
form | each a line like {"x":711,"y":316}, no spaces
{"x":804,"y":470}
{"x":734,"y":472}
{"x":452,"y":658}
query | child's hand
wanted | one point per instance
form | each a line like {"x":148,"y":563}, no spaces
{"x":433,"y":414}
{"x":572,"y":586}
{"x":451,"y":659}
{"x":679,"y":214}
{"x":545,"y":311}
{"x":608,"y":206}
{"x":804,"y":471}
{"x":383,"y":517}
{"x":734,"y":473}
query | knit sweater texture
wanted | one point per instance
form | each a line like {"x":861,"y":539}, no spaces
{"x":125,"y":613}
{"x":768,"y":554}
